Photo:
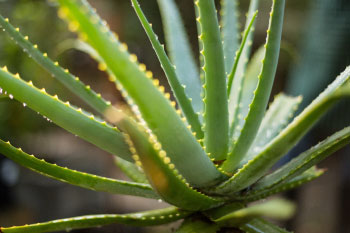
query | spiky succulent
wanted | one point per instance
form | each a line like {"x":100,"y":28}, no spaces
{"x":207,"y":154}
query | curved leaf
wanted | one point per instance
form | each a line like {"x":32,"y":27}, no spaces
{"x":175,"y":83}
{"x":256,"y":168}
{"x":238,"y":75}
{"x":258,"y":225}
{"x":64,"y":115}
{"x":161,"y":172}
{"x":71,"y":82}
{"x":306,"y":160}
{"x":155,"y":107}
{"x":276,"y":118}
{"x":146,"y":218}
{"x":307,"y":176}
{"x":249,"y":83}
{"x":262,"y":92}
{"x":239,"y":52}
{"x":81,"y":179}
{"x":275,"y":208}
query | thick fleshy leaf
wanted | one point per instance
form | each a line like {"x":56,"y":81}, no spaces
{"x":180,"y":52}
{"x":179,"y":90}
{"x":64,"y":115}
{"x":240,"y":51}
{"x":253,"y":195}
{"x":146,"y":218}
{"x":275,"y":208}
{"x":155,"y":107}
{"x":306,"y":160}
{"x":277,"y":117}
{"x":161,"y":172}
{"x":259,"y":225}
{"x":280,"y":145}
{"x":229,"y":31}
{"x":240,"y":71}
{"x":81,"y":179}
{"x":250,"y":81}
{"x":262,"y":92}
{"x":215,"y":100}
{"x":216,"y":213}
{"x":131,"y":170}
{"x":62,"y":75}
{"x":193,"y":225}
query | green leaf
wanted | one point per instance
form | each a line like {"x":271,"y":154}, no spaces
{"x":64,"y":115}
{"x":276,"y":118}
{"x":262,"y":92}
{"x":62,"y":75}
{"x":280,"y":145}
{"x":258,"y":225}
{"x":146,"y":218}
{"x":275,"y":208}
{"x":215,"y":100}
{"x":305,"y":177}
{"x":180,"y":52}
{"x":237,"y":74}
{"x":239,"y":52}
{"x":178,"y":89}
{"x":224,"y":210}
{"x":195,"y":225}
{"x":155,"y":108}
{"x":84,"y":180}
{"x":306,"y":160}
{"x":229,"y":31}
{"x":250,"y":81}
{"x":161,"y":172}
{"x":131,"y":170}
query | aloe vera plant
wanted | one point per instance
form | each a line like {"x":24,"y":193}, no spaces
{"x":208,"y":153}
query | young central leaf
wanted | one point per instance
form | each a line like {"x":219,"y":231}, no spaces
{"x":215,"y":100}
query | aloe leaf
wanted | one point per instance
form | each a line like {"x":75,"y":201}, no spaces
{"x":180,"y":52}
{"x":193,"y":225}
{"x":280,"y":145}
{"x":306,"y":160}
{"x":259,"y":225}
{"x":224,"y":210}
{"x":275,"y":208}
{"x":229,"y":31}
{"x":262,"y":92}
{"x":239,"y":52}
{"x":307,"y":176}
{"x":161,"y":172}
{"x":131,"y":170}
{"x":278,"y":115}
{"x":155,"y":107}
{"x":200,"y":47}
{"x":64,"y":115}
{"x":176,"y":84}
{"x":84,"y":180}
{"x":146,"y":218}
{"x":71,"y":82}
{"x":246,"y":93}
{"x":237,"y":74}
{"x":215,"y":100}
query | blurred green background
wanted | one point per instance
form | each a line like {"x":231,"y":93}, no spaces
{"x":316,"y":48}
